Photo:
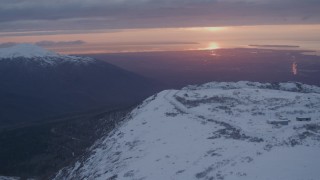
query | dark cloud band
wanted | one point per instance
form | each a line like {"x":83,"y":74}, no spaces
{"x":116,"y":14}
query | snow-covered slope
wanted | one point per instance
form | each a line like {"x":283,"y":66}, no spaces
{"x":35,"y":53}
{"x":213,"y":131}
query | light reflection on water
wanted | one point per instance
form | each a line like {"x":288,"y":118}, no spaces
{"x":294,"y":68}
{"x":181,"y":68}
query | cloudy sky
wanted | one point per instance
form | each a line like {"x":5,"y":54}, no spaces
{"x":42,"y":18}
{"x":31,"y":15}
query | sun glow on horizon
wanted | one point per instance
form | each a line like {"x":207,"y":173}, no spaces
{"x":170,"y":39}
{"x":215,"y":28}
{"x":207,"y":29}
{"x":212,"y":46}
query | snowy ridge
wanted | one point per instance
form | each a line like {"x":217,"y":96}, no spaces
{"x":213,"y":131}
{"x":36,"y":53}
{"x":25,"y":50}
{"x":289,"y":86}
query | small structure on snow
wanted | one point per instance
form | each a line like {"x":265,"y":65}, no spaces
{"x":279,"y":122}
{"x":303,"y":118}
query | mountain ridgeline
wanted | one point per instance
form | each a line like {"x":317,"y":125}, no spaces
{"x":37,"y":85}
{"x":219,"y":131}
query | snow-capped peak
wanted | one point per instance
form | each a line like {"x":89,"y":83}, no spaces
{"x":25,"y":50}
{"x":33,"y":53}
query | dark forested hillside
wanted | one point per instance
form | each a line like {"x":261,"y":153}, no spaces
{"x":33,"y":90}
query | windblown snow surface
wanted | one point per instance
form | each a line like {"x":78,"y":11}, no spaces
{"x":213,"y":131}
{"x":8,"y":178}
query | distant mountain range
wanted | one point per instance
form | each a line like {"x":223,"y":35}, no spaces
{"x":37,"y":85}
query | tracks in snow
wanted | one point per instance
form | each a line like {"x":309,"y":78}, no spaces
{"x":236,"y":132}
